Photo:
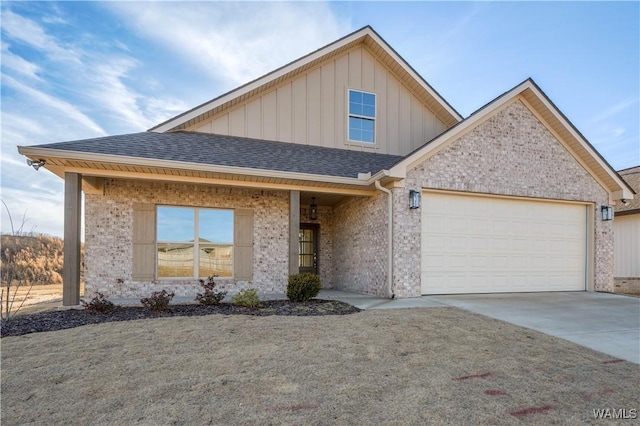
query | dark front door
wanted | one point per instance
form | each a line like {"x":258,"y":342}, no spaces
{"x":308,"y":244}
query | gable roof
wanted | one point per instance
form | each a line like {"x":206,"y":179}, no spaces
{"x":632,"y":177}
{"x":559,"y":125}
{"x":366,"y":36}
{"x":218,"y":152}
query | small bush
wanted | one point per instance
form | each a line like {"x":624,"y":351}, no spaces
{"x":99,"y":304}
{"x":303,"y":287}
{"x":247,"y":298}
{"x":211,"y":296}
{"x":158,"y":301}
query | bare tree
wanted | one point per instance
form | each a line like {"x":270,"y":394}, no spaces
{"x":16,"y":270}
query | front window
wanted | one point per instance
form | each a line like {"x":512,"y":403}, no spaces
{"x":194,"y":242}
{"x":362,"y":116}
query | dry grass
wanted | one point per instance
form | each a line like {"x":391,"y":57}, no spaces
{"x":414,"y":366}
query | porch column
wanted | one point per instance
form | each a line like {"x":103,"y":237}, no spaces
{"x":72,"y":211}
{"x":294,"y":230}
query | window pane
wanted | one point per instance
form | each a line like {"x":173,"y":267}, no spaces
{"x":355,"y":96}
{"x":355,"y":135}
{"x":216,"y":260}
{"x":369,"y":99}
{"x":175,"y":260}
{"x":367,"y":125}
{"x":175,"y":224}
{"x":355,"y":108}
{"x":305,"y":261}
{"x":367,"y":136}
{"x":369,"y":111}
{"x":216,"y":226}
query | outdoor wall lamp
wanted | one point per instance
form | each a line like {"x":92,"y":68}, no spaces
{"x":35,"y":164}
{"x":313,"y":209}
{"x":414,"y":199}
{"x":607,"y":212}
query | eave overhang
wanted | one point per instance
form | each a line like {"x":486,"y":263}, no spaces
{"x":92,"y":165}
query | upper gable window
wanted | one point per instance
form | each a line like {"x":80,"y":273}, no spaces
{"x":362,"y":116}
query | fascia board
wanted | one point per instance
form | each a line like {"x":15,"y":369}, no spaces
{"x":400,"y":169}
{"x":405,"y":65}
{"x":247,"y":88}
{"x":623,"y":190}
{"x":45,"y":153}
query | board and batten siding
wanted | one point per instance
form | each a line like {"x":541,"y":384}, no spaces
{"x":627,"y":246}
{"x":311,"y":109}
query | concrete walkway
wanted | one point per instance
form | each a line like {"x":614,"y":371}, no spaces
{"x":608,"y":323}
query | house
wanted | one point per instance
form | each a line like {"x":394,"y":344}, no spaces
{"x":626,"y":228}
{"x":345,"y":163}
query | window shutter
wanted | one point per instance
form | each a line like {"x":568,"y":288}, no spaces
{"x":144,"y":247}
{"x":243,"y":245}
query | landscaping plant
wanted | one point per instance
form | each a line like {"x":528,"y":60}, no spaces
{"x":247,"y":298}
{"x":211,"y":296}
{"x":99,"y":304}
{"x":303,"y":287}
{"x":158,"y":301}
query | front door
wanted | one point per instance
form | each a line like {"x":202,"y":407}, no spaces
{"x":308,"y":248}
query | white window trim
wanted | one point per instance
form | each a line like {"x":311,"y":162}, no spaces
{"x":196,"y":244}
{"x":375,"y":120}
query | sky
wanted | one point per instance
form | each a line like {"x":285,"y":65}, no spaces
{"x":76,"y":70}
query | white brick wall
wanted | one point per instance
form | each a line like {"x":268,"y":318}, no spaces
{"x":511,"y":153}
{"x":108,"y":244}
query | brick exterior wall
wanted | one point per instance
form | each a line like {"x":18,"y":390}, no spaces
{"x":511,"y":153}
{"x":627,"y":285}
{"x":360,"y":245}
{"x":108,"y":235}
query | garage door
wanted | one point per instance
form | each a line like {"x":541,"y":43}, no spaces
{"x":479,"y":244}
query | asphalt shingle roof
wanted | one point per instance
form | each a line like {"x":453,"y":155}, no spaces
{"x":212,"y":149}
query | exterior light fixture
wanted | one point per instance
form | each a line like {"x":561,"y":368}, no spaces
{"x":313,"y":209}
{"x":36,"y":164}
{"x":414,"y":199}
{"x":607,"y":212}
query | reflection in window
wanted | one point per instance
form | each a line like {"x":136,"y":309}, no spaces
{"x":194,"y":242}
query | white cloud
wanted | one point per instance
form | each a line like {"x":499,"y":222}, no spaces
{"x":19,"y":65}
{"x":27,"y":31}
{"x":235,"y":41}
{"x":615,"y":109}
{"x":54,"y":103}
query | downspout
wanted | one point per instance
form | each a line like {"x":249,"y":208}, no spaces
{"x":389,"y":236}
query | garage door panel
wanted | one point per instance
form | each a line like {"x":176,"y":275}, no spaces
{"x":474,"y":244}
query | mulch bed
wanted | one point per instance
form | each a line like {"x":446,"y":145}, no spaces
{"x":63,"y":319}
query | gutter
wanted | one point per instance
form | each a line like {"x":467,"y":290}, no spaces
{"x":389,"y":232}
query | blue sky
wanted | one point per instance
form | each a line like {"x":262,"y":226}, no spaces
{"x":74,"y":70}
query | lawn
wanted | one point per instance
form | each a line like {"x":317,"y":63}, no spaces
{"x":405,"y":366}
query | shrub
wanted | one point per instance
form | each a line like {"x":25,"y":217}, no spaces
{"x":158,"y":301}
{"x":99,"y":304}
{"x":302,"y":287}
{"x":247,"y":298}
{"x":211,"y":296}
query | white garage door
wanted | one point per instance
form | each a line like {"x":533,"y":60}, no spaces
{"x":477,"y":244}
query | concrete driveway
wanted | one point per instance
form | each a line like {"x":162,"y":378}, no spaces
{"x":605,"y":322}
